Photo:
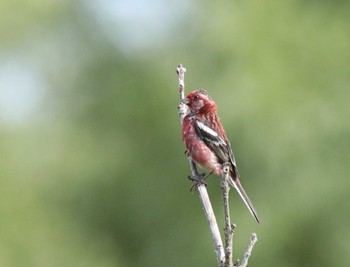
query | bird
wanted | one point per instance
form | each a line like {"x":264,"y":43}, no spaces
{"x":206,"y":141}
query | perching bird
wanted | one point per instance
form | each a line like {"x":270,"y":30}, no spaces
{"x":206,"y":140}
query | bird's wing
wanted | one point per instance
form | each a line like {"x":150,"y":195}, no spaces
{"x":233,"y":161}
{"x":213,"y":140}
{"x":220,"y":147}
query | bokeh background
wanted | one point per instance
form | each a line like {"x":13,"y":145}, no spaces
{"x":92,"y":169}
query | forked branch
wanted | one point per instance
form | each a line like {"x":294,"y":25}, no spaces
{"x":223,"y":254}
{"x":200,"y":188}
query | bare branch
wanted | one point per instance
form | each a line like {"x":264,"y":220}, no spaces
{"x":200,"y":188}
{"x":223,"y":255}
{"x":248,"y":251}
{"x":229,"y":228}
{"x":180,"y":70}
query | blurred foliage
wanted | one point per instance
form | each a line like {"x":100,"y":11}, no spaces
{"x":95,"y":175}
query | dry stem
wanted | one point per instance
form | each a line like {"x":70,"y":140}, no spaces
{"x":229,"y":228}
{"x":201,"y":189}
{"x":224,"y":256}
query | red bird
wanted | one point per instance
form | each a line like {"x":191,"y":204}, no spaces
{"x":206,"y":140}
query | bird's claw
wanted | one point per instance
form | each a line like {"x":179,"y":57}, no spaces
{"x":197,"y":180}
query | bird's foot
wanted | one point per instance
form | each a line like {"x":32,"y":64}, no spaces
{"x":198,"y":180}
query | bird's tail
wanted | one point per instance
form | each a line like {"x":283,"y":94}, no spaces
{"x":238,"y":186}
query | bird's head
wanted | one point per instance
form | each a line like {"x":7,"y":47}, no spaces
{"x":199,"y":102}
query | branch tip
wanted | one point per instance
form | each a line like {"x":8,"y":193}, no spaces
{"x":180,"y":69}
{"x":248,"y":251}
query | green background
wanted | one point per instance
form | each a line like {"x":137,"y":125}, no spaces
{"x":92,"y":169}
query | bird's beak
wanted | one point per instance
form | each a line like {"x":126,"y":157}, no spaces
{"x":185,"y":101}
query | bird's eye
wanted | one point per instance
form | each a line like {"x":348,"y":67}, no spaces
{"x":195,"y":97}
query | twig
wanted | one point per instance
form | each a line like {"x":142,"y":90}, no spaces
{"x":201,"y":189}
{"x":229,"y":228}
{"x":181,"y":70}
{"x":248,"y":251}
